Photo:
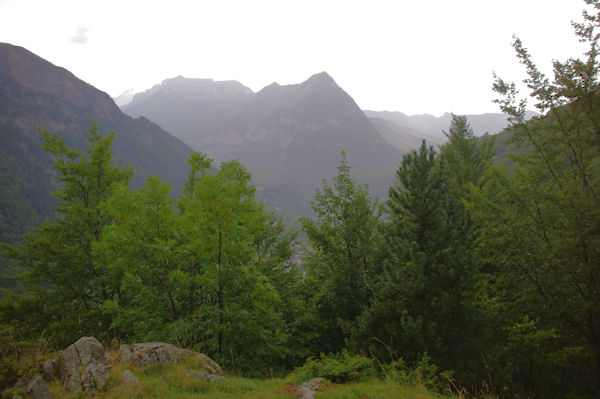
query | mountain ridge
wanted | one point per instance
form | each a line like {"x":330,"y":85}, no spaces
{"x":289,"y":136}
{"x":36,"y":93}
{"x":486,"y":123}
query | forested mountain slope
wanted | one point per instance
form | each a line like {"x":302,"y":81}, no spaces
{"x":34,"y":92}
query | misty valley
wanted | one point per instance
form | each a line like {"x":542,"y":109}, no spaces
{"x":201,"y":239}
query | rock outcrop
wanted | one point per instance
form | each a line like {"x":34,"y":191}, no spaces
{"x":145,"y":354}
{"x":83,"y":366}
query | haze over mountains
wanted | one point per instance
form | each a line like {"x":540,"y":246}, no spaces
{"x":289,"y":137}
{"x":433,"y":127}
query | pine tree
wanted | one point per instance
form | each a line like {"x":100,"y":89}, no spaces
{"x":465,"y":158}
{"x":343,"y":260}
{"x":423,"y":302}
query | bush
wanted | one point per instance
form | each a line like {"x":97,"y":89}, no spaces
{"x":423,"y":373}
{"x":9,"y":373}
{"x":339,"y":368}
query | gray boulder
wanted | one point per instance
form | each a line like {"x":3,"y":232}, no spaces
{"x":145,"y":354}
{"x":83,"y":366}
{"x":209,"y":365}
{"x":37,"y":390}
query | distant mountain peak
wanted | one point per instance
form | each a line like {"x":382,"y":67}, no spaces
{"x":271,"y":86}
{"x":322,"y":78}
{"x":195,"y":89}
{"x":289,"y":136}
{"x":125,"y":97}
{"x":321,"y":75}
{"x":179,"y":80}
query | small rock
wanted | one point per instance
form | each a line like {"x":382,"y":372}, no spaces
{"x":129,"y":379}
{"x":49,"y":369}
{"x":37,"y":390}
{"x":200,"y":375}
{"x":309,"y":389}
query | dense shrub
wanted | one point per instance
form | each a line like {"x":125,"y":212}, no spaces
{"x":338,"y":367}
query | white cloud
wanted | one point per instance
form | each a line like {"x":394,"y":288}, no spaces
{"x":80,"y":36}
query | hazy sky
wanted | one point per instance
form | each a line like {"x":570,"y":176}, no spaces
{"x":410,"y":56}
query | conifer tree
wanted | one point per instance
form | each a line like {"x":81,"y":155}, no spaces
{"x":465,"y":158}
{"x":343,"y":260}
{"x":423,"y":302}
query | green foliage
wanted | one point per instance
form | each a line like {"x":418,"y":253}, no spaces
{"x":63,"y":285}
{"x":229,"y":242}
{"x":339,"y":368}
{"x":343,"y":260}
{"x":121,"y":263}
{"x":138,"y":254}
{"x":540,"y":224}
{"x":9,"y":373}
{"x":537,"y":225}
{"x":200,"y":277}
{"x":424,"y":300}
{"x":465,"y":159}
{"x":423,"y":373}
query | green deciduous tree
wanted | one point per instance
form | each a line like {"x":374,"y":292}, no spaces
{"x":541,"y":222}
{"x":229,"y":243}
{"x":139,"y":252}
{"x":56,"y":262}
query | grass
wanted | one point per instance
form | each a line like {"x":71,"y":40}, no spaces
{"x":170,"y":381}
{"x":377,"y":389}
